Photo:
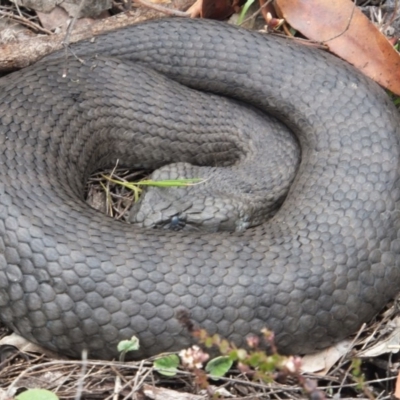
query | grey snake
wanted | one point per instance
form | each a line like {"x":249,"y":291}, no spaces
{"x":71,"y":278}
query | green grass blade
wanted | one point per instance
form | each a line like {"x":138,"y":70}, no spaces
{"x":170,"y":182}
{"x":245,"y":8}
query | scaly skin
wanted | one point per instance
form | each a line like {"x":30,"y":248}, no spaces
{"x":71,"y":278}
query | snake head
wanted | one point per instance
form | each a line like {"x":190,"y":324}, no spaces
{"x":188,"y":208}
{"x":159,"y":209}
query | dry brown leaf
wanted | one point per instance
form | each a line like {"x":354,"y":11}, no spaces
{"x":157,"y":393}
{"x":320,"y":363}
{"x":58,"y":18}
{"x":348,"y":33}
{"x":212,"y":9}
{"x":390,"y":344}
{"x":217,"y":9}
{"x":397,"y":389}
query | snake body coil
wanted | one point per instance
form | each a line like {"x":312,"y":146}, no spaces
{"x":71,"y":278}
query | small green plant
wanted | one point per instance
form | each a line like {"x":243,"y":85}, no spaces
{"x":256,"y":363}
{"x":125,"y":346}
{"x":396,"y":100}
{"x":167,"y":365}
{"x":36,"y":394}
{"x":358,"y":376}
{"x":219,"y":366}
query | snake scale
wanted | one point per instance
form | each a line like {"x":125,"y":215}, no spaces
{"x":72,"y":278}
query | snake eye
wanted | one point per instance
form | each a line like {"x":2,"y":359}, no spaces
{"x":176,"y":223}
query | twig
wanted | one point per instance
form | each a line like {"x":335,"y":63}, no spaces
{"x":393,"y":16}
{"x":25,"y":21}
{"x":82,"y":374}
{"x":165,"y":10}
{"x":66,"y":39}
{"x":18,"y":9}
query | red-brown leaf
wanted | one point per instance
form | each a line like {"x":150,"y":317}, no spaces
{"x":347,"y":33}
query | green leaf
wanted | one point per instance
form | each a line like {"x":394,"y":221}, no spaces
{"x":37,"y":394}
{"x":219,"y":366}
{"x":128,"y":345}
{"x":167,"y":365}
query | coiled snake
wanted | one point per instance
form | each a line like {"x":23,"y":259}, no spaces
{"x":71,"y":278}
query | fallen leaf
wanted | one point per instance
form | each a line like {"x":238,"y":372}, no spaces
{"x":55,"y":19}
{"x":390,"y":344}
{"x":397,"y":389}
{"x":212,"y":9}
{"x":156,"y":393}
{"x":36,"y":394}
{"x":320,"y":363}
{"x":348,"y":33}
